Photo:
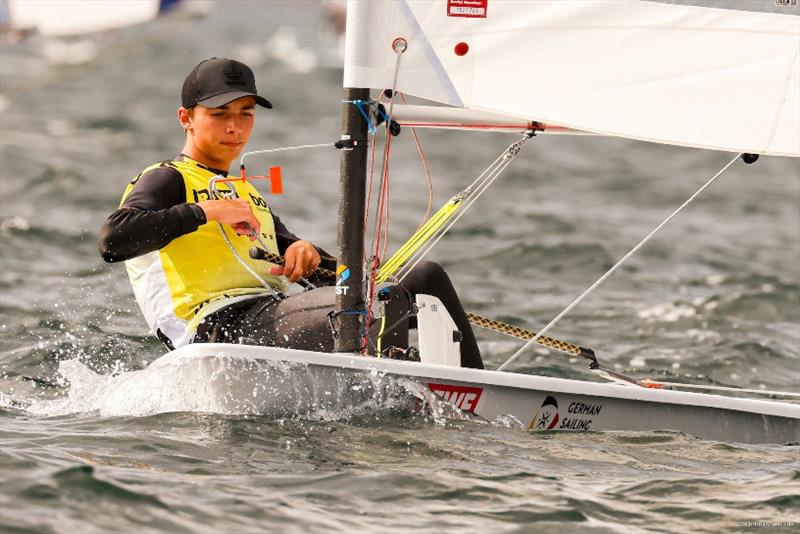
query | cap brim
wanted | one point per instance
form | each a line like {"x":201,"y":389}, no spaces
{"x":226,"y":98}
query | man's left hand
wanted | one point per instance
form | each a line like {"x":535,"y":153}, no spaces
{"x":301,"y":259}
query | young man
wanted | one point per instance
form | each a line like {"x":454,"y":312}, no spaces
{"x":176,"y":239}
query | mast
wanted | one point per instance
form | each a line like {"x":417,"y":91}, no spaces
{"x":350,"y":240}
{"x":349,"y":306}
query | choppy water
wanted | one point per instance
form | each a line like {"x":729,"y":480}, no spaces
{"x":714,"y":298}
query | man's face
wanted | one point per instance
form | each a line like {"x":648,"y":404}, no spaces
{"x":220,"y":134}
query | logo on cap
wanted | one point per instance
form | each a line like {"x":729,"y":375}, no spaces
{"x":234,"y":76}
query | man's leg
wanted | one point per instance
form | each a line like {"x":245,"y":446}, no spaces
{"x":301,"y":321}
{"x":298,"y":322}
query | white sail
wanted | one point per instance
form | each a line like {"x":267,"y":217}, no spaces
{"x":694,"y":76}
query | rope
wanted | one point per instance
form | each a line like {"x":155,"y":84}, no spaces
{"x":243,"y":263}
{"x":284,"y":149}
{"x":616,"y":266}
{"x":521,"y":333}
{"x":278,"y":260}
{"x":372,"y":149}
{"x":470,"y":195}
{"x":382,"y":220}
{"x":425,"y":167}
{"x":419,"y":238}
{"x":477,"y":320}
{"x":212,"y":185}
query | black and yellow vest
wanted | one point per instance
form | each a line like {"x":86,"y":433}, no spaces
{"x":197,"y":273}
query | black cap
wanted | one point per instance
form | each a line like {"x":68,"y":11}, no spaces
{"x":216,"y":81}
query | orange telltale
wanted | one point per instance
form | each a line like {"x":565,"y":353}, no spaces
{"x":275,"y":181}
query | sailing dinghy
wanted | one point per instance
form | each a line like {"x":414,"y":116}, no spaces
{"x":687,"y":75}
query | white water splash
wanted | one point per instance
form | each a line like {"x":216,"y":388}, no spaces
{"x":231,"y":385}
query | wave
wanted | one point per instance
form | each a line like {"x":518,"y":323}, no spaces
{"x":237,"y":386}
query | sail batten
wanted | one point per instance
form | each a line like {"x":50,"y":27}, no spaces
{"x":693,"y":76}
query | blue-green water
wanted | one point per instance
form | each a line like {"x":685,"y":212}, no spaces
{"x":714,"y":298}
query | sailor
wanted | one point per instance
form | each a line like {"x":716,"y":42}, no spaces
{"x":187,"y":281}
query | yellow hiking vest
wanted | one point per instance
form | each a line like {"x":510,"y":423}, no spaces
{"x":197,"y":273}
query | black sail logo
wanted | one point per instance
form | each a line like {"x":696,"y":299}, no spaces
{"x":546,"y":418}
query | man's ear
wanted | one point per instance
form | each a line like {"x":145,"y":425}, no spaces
{"x":185,"y":118}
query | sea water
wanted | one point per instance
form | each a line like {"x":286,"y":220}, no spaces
{"x":713,"y":299}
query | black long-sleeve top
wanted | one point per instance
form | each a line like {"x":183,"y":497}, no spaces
{"x":155,"y":212}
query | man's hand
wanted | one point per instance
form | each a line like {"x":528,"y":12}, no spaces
{"x":234,"y":211}
{"x":300,"y":261}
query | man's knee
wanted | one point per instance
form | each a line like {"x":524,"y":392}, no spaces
{"x":425,"y":275}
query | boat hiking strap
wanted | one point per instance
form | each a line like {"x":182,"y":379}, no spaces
{"x":620,"y":262}
{"x":426,"y":237}
{"x":484,"y":322}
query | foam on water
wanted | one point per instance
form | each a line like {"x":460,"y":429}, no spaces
{"x":238,"y":386}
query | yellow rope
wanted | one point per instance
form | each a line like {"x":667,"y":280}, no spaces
{"x":419,"y":238}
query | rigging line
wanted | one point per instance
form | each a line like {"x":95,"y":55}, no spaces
{"x":432,"y":229}
{"x":505,"y":160}
{"x":520,"y":333}
{"x":418,"y":239}
{"x":212,"y":185}
{"x":373,"y":146}
{"x":381,"y":222}
{"x":370,"y":185}
{"x":383,"y":184}
{"x":466,"y":192}
{"x":420,"y":253}
{"x":285,"y":149}
{"x":399,"y":45}
{"x":243,"y":263}
{"x":424,"y":248}
{"x":379,"y":206}
{"x":369,"y":198}
{"x":388,"y":204}
{"x":478,"y":320}
{"x":425,"y":167}
{"x":616,"y":265}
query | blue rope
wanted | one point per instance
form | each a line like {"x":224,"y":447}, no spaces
{"x":352,"y":312}
{"x":333,"y":315}
{"x":361,"y":105}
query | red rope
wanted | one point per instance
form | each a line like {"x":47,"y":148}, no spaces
{"x":386,"y":198}
{"x":427,"y":171}
{"x":369,"y":198}
{"x":381,"y":233}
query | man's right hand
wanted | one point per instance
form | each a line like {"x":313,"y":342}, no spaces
{"x":235,"y":211}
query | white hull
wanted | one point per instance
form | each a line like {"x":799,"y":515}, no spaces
{"x":264,"y":380}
